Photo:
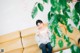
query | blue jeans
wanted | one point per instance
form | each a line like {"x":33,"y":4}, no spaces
{"x":46,"y":48}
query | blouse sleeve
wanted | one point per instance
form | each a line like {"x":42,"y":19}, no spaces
{"x":49,"y":33}
{"x":37,"y":39}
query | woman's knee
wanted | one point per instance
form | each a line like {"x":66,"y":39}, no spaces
{"x":42,"y":46}
{"x":49,"y":46}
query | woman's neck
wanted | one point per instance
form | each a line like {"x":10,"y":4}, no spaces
{"x":42,"y":28}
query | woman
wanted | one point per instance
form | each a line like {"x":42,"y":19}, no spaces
{"x":43,"y":37}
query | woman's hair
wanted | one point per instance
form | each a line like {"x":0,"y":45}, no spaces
{"x":38,"y":21}
{"x":78,"y":0}
{"x":79,"y":41}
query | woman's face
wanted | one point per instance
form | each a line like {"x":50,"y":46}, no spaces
{"x":40,"y":25}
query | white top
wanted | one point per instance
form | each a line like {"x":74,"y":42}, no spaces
{"x":43,"y":36}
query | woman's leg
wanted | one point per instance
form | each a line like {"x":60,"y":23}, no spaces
{"x":49,"y":47}
{"x":43,"y":48}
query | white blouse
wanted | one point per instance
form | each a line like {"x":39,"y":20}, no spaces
{"x":43,"y":36}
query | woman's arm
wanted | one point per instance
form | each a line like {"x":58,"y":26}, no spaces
{"x":37,"y":38}
{"x":49,"y":33}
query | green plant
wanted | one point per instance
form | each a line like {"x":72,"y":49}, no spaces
{"x":59,"y":13}
{"x":75,"y":49}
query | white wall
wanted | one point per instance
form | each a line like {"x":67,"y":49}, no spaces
{"x":16,"y":15}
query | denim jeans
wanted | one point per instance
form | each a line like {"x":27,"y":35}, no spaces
{"x":46,"y":48}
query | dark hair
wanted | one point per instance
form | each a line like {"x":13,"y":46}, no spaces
{"x":38,"y":21}
{"x":79,"y":41}
{"x":78,"y":0}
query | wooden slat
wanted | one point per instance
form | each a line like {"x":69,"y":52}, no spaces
{"x":57,"y":48}
{"x":11,"y":45}
{"x":16,"y":51}
{"x":10,"y":36}
{"x":35,"y":49}
{"x":32,"y":49}
{"x":75,"y":35}
{"x":29,"y":40}
{"x":28,"y":31}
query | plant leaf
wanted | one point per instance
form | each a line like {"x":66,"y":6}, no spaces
{"x":40,"y":6}
{"x":70,"y":28}
{"x":67,"y":40}
{"x":67,"y":12}
{"x":63,"y":3}
{"x":46,"y":1}
{"x":53,"y":9}
{"x":58,"y":31}
{"x":53,"y":37}
{"x":50,"y":26}
{"x":75,"y":17}
{"x":79,"y":28}
{"x":77,"y":7}
{"x":34,"y":12}
{"x":61,"y":51}
{"x":54,"y":20}
{"x":49,"y":15}
{"x":60,"y":43}
{"x":53,"y":40}
{"x":53,"y":2}
{"x":74,"y":49}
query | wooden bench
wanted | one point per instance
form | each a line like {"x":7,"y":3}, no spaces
{"x":11,"y":43}
{"x":30,"y":45}
{"x":24,"y":41}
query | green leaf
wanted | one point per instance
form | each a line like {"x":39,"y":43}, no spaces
{"x":77,"y":7}
{"x":61,"y":51}
{"x":50,"y":26}
{"x":66,"y":38}
{"x":46,"y":1}
{"x":60,"y":43}
{"x":53,"y":2}
{"x":75,"y":17}
{"x":53,"y":9}
{"x":79,"y":28}
{"x":62,"y":19}
{"x":53,"y":40}
{"x":53,"y":37}
{"x":65,"y":19}
{"x":70,"y":28}
{"x":78,"y":50}
{"x":58,"y":31}
{"x":63,"y":3}
{"x":54,"y":20}
{"x":34,"y":12}
{"x":67,"y":12}
{"x":68,"y":44}
{"x":49,"y":15}
{"x":67,"y":9}
{"x":40,"y":6}
{"x":74,"y":49}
